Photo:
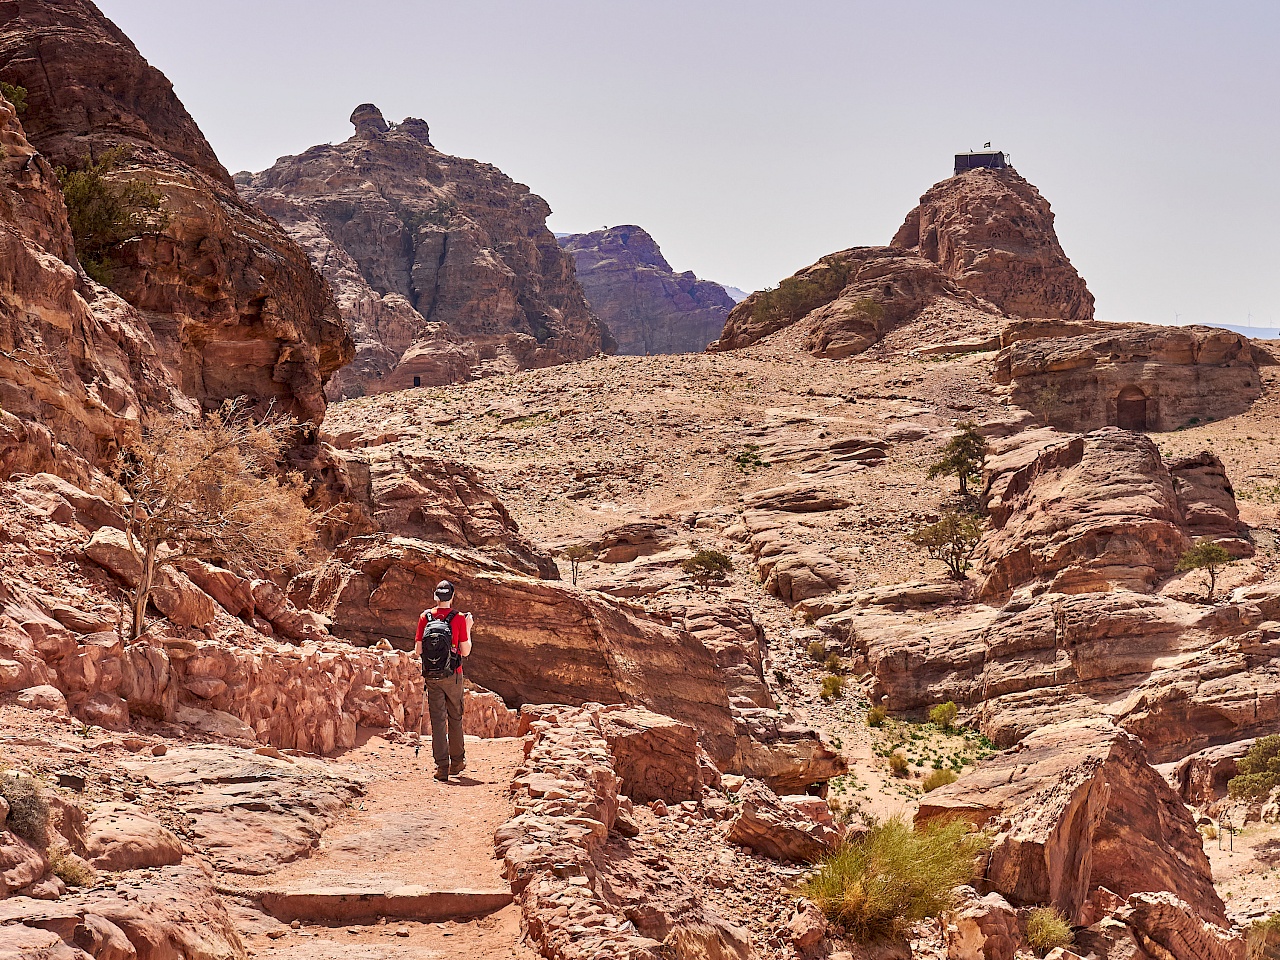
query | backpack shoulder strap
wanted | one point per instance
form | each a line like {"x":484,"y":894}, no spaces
{"x":448,"y":617}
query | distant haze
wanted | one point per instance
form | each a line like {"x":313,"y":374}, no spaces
{"x":750,"y":138}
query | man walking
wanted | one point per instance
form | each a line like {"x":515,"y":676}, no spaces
{"x":443,"y":640}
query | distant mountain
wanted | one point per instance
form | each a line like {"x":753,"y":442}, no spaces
{"x":737,"y":293}
{"x":1255,"y":333}
{"x":647,"y":306}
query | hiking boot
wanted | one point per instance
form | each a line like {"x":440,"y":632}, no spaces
{"x":442,"y":773}
{"x":457,"y":767}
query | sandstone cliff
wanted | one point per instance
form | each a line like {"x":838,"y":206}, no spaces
{"x":979,"y":248}
{"x":648,"y":307}
{"x":444,"y":267}
{"x":235,"y":307}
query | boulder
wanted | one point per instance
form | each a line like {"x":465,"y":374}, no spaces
{"x":121,"y":837}
{"x":807,"y":927}
{"x":776,"y":829}
{"x":656,"y":758}
{"x":485,"y":715}
{"x":1076,"y":807}
{"x":981,"y":928}
{"x":44,"y":697}
{"x":21,"y":864}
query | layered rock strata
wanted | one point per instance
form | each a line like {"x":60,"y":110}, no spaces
{"x":233,"y":306}
{"x":1077,"y":808}
{"x":1134,"y":376}
{"x":647,"y":306}
{"x":443,"y":267}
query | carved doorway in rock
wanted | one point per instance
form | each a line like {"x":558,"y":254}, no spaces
{"x":1131,"y":409}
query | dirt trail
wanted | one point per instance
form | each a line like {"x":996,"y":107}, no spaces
{"x":408,"y":873}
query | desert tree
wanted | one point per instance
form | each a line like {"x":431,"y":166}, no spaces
{"x":575,"y":555}
{"x":707,"y":567}
{"x":211,"y":488}
{"x":962,"y":457}
{"x":1048,"y":403}
{"x":1207,"y":556}
{"x":953,"y":540}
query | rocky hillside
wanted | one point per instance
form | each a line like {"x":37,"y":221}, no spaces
{"x":444,"y":267}
{"x":979,"y":248}
{"x":229,"y":304}
{"x":648,"y":307}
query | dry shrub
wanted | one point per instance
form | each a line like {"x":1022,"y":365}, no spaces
{"x":834,"y":664}
{"x":880,"y":883}
{"x":876,"y":716}
{"x":28,"y":809}
{"x":212,"y":488}
{"x":939,"y":778}
{"x":832,"y":687}
{"x":1047,"y":928}
{"x":72,"y":870}
{"x":817,"y":651}
{"x":898,"y":763}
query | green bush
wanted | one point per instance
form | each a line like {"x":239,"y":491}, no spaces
{"x":15,"y":94}
{"x":798,"y":295}
{"x":707,"y":566}
{"x":817,"y":651}
{"x":939,"y":778}
{"x":876,"y":716}
{"x":105,"y":212}
{"x":944,"y":714}
{"x":1262,"y":937}
{"x":28,"y":809}
{"x":898,"y":763}
{"x":834,"y":664}
{"x":1259,"y":770}
{"x":832,"y":687}
{"x":879,"y":884}
{"x":1047,"y":928}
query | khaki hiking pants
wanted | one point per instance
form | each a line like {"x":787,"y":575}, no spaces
{"x":444,"y":705}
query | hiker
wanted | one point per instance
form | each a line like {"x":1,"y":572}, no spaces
{"x":443,"y":640}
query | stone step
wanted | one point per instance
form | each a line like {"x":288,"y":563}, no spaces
{"x":370,"y":904}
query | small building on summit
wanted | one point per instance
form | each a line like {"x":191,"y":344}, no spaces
{"x":979,"y":159}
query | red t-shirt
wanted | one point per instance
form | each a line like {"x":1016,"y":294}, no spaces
{"x":458,"y":625}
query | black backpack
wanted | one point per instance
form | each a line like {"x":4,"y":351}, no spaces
{"x":439,"y":659}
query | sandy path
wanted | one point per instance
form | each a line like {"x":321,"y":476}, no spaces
{"x":408,"y":831}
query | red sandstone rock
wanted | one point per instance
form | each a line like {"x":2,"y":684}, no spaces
{"x":656,"y":757}
{"x":251,"y":316}
{"x":1077,"y":807}
{"x":777,"y":829}
{"x":122,"y":837}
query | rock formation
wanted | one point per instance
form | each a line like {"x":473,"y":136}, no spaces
{"x":978,"y":249}
{"x":992,"y":233}
{"x":647,"y":306}
{"x":1135,"y":376}
{"x":233,"y":305}
{"x":444,"y":267}
{"x":1077,"y":808}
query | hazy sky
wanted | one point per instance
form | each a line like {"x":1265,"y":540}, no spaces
{"x":751,"y":138}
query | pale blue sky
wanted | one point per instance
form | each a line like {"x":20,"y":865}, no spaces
{"x":751,"y":138}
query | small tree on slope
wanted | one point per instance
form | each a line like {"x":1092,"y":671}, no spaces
{"x":209,"y":488}
{"x":953,"y":540}
{"x":1208,"y":556}
{"x":962,"y":457}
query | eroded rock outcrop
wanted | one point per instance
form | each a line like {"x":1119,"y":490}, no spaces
{"x":235,"y":309}
{"x":647,"y":306}
{"x":992,"y":233}
{"x":1076,"y":808}
{"x":978,"y":249}
{"x":1135,"y":376}
{"x":444,"y":267}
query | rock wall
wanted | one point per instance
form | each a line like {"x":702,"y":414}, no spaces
{"x":647,"y":306}
{"x":1135,"y":376}
{"x":233,"y":305}
{"x":444,"y":267}
{"x":992,"y":233}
